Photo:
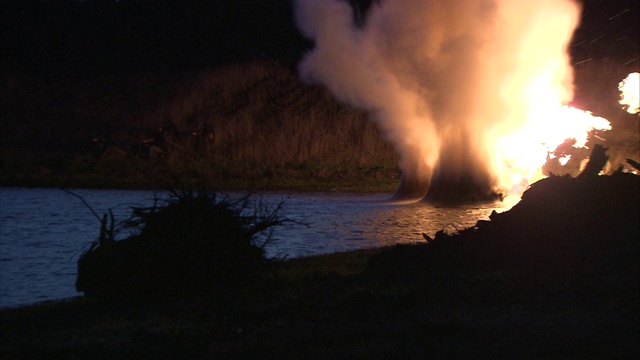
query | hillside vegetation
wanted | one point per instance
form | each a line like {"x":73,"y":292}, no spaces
{"x":139,"y":93}
{"x":233,"y":125}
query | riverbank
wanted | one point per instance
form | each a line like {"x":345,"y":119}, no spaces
{"x":358,"y":184}
{"x":326,"y":313}
{"x":557,"y":276}
{"x":328,"y":307}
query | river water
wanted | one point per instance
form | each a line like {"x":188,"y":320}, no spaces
{"x":44,"y":231}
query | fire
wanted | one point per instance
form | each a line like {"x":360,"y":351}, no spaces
{"x":520,"y":155}
{"x":564,"y":160}
{"x":630,"y":93}
{"x":472,"y":94}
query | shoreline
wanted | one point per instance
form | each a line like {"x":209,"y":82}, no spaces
{"x":554,"y":277}
{"x":279,"y":185}
{"x":309,"y":261}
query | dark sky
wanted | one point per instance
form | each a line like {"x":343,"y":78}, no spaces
{"x":609,"y":28}
{"x":134,"y":35}
{"x":130,"y":35}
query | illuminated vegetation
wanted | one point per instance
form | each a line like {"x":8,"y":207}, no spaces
{"x":238,"y":126}
{"x":242,"y":126}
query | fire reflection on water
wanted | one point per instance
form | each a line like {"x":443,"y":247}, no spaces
{"x":343,"y":222}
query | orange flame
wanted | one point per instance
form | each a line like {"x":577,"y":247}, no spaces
{"x":470,"y":88}
{"x":630,"y":93}
{"x":522,"y":154}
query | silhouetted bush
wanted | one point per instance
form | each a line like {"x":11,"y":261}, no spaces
{"x":194,"y":243}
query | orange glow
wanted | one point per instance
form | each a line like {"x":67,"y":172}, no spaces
{"x":461,"y":88}
{"x":523,"y":153}
{"x":564,"y":160}
{"x":519,"y":155}
{"x":630,"y":93}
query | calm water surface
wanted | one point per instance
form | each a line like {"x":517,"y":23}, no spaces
{"x":44,"y":231}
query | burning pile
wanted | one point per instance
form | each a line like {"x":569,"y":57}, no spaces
{"x":472,"y":94}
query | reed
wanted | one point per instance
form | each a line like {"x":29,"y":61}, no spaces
{"x":262,"y":112}
{"x":241,"y":121}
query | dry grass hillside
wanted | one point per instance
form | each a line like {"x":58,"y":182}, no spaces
{"x":233,"y":124}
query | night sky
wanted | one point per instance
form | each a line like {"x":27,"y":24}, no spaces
{"x":105,"y":36}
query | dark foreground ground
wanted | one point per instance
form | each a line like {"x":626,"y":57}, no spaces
{"x":555,"y":277}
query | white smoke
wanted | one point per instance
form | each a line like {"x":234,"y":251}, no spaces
{"x":441,"y":78}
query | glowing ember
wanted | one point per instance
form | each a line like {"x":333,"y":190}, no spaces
{"x":563,"y":160}
{"x":630,"y":93}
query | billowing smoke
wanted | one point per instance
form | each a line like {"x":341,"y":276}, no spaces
{"x":442,"y":78}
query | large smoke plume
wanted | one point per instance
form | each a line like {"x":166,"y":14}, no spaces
{"x":441,"y":78}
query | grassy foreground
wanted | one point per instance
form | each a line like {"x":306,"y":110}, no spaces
{"x":557,"y":276}
{"x":84,"y":328}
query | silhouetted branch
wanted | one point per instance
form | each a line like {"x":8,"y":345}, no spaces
{"x":84,"y":202}
{"x":634,"y":163}
{"x":597,"y":160}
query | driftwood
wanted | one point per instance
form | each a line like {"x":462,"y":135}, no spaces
{"x":634,"y":163}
